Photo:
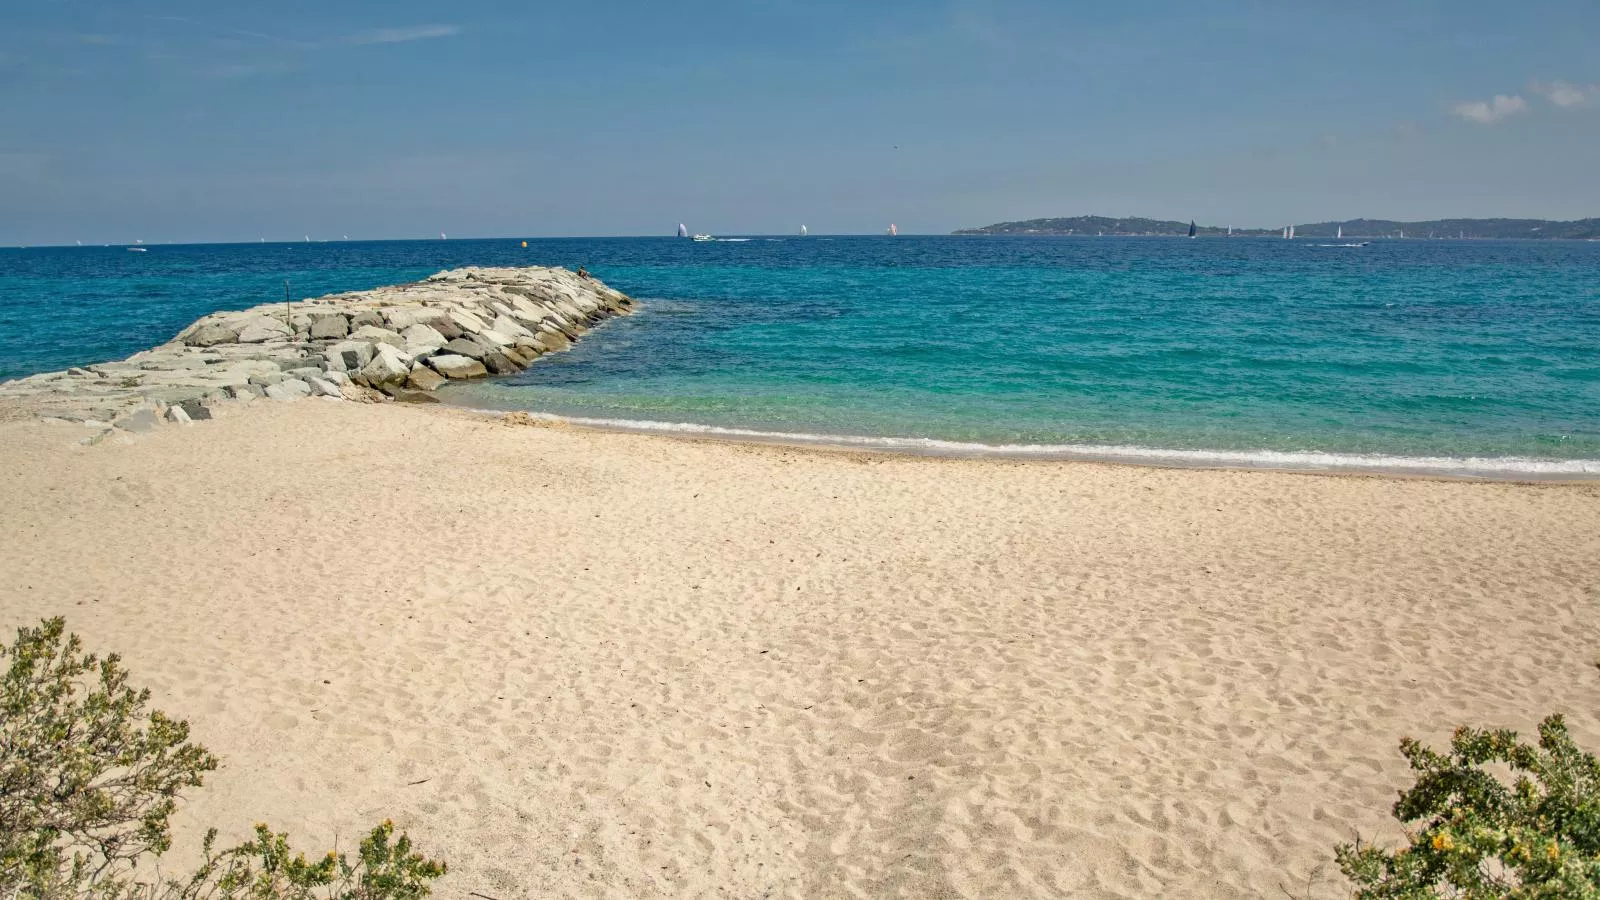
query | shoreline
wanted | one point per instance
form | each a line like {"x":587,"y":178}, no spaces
{"x":1510,"y":470}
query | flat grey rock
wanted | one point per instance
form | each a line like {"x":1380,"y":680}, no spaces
{"x":387,"y":367}
{"x":465,"y":347}
{"x":264,"y":328}
{"x":446,"y":328}
{"x":292,"y":389}
{"x":467,"y":321}
{"x":452,"y":366}
{"x":212,"y":335}
{"x":330,"y":328}
{"x":353,"y":354}
{"x":423,"y":378}
{"x":323,"y":387}
{"x":422,"y":336}
{"x":401,"y":318}
{"x":497,"y":363}
{"x":376,"y":335}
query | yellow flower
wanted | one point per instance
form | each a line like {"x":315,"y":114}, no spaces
{"x":1553,"y":851}
{"x":1442,"y":841}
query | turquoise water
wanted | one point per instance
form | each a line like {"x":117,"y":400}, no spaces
{"x":1234,"y":350}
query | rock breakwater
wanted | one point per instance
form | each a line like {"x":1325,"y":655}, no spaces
{"x":389,"y":343}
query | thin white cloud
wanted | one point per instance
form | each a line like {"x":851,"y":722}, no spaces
{"x":236,"y":32}
{"x":1565,"y":94}
{"x":1488,"y":112}
{"x":401,"y":35}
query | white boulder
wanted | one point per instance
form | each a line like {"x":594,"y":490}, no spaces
{"x":262,"y":329}
{"x":292,"y":389}
{"x":388,"y":366}
{"x":452,"y":366}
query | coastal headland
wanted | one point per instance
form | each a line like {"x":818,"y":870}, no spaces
{"x":598,"y":664}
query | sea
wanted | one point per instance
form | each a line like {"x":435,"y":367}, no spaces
{"x":1448,"y":357}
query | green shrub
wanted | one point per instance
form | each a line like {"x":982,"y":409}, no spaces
{"x":89,"y":779}
{"x":1474,"y":835}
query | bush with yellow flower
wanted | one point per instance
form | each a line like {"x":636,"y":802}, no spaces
{"x":1494,"y":817}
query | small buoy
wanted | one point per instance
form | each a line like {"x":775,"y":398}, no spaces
{"x":524,"y":245}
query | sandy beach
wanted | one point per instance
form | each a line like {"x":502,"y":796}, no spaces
{"x":590,"y":664}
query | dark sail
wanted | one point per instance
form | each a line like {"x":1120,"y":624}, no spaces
{"x":1191,"y":228}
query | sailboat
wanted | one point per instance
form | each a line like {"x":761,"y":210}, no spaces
{"x":893,"y":230}
{"x":1191,"y":228}
{"x":1340,"y":235}
{"x":1230,"y":231}
{"x":442,"y":236}
{"x":1286,"y":232}
{"x":1291,"y":232}
{"x":683,"y":230}
{"x":308,"y":238}
{"x":802,"y":231}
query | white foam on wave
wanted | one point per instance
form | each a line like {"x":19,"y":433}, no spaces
{"x":1482,"y":467}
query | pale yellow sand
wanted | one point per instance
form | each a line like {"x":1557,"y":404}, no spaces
{"x":586,"y":664}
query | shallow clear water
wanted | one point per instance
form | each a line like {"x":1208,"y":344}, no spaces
{"x":1246,"y":347}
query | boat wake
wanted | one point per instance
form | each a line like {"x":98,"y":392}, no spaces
{"x":1500,"y":468}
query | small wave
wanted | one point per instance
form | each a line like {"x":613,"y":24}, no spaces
{"x":1482,"y":467}
{"x":732,"y":240}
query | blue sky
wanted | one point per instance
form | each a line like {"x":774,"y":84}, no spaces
{"x":186,"y":121}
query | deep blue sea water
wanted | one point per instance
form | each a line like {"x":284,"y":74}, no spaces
{"x":1237,"y":349}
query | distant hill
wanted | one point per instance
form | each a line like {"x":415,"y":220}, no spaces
{"x":1581,"y":229}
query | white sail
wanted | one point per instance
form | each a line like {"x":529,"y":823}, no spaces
{"x":683,"y":230}
{"x":1286,"y":232}
{"x":1291,"y":232}
{"x":893,"y":230}
{"x":802,"y":231}
{"x":1340,"y":235}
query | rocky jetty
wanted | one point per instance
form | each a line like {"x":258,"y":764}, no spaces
{"x":390,"y":343}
